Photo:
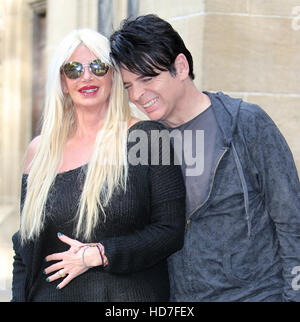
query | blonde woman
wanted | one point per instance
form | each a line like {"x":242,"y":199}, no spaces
{"x":94,"y":226}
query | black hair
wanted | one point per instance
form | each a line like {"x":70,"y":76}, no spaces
{"x":147,"y":44}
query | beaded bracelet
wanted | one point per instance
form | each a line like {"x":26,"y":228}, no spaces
{"x":102,"y":254}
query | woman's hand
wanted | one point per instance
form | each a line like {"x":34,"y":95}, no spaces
{"x":70,"y":263}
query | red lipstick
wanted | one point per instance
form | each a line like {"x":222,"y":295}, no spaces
{"x":89,"y":90}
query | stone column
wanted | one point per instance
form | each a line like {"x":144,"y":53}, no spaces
{"x":15,"y":101}
{"x":105,"y":17}
{"x":133,"y":8}
{"x":120,"y":12}
{"x":66,"y":15}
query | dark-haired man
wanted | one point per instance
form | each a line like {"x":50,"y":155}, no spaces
{"x":242,"y":240}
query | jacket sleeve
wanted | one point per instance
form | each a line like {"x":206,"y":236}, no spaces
{"x":163,"y":235}
{"x":19,"y":273}
{"x":281,"y":189}
{"x":149,"y":246}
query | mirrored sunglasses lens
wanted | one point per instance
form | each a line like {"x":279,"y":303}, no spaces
{"x":73,"y":70}
{"x":98,"y":68}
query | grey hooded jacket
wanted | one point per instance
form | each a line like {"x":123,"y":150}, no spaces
{"x":243,"y":242}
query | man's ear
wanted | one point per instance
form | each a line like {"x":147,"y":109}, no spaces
{"x":64,"y":86}
{"x":182,"y":67}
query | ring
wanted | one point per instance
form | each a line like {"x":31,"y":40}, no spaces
{"x":61,"y":273}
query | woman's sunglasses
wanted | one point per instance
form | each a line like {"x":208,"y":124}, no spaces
{"x":74,"y":69}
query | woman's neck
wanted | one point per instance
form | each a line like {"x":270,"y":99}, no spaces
{"x":88,"y":121}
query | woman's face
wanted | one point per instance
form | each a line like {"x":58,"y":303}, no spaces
{"x":89,"y":90}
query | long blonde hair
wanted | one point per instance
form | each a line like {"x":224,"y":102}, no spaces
{"x":107,"y":168}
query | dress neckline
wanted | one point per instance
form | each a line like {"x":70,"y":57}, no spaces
{"x":86,"y":164}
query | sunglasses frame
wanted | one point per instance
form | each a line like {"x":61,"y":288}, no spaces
{"x":83,"y":65}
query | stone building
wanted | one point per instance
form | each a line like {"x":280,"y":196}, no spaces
{"x":246,"y":48}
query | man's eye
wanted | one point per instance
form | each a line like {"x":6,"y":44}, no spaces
{"x":147,"y":79}
{"x":127,"y":86}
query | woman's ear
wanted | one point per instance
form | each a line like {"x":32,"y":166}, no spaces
{"x":64,"y":86}
{"x":182,"y":67}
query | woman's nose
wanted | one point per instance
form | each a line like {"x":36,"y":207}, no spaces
{"x":87,"y":74}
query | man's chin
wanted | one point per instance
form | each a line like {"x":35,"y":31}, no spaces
{"x":153,"y":115}
{"x":139,"y":113}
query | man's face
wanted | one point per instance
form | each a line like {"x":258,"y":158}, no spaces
{"x":157,"y":96}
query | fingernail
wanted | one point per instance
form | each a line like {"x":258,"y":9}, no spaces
{"x":47,"y":279}
{"x":44,"y":272}
{"x":45,"y":259}
{"x":57,"y":287}
{"x":59,"y":234}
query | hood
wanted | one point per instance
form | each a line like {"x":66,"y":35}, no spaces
{"x":226,"y":111}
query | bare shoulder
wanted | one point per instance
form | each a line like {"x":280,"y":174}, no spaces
{"x":133,"y":121}
{"x":30,"y":153}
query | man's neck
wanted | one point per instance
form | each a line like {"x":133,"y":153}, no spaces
{"x":192,"y":104}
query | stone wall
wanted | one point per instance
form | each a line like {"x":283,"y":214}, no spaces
{"x":251,"y":50}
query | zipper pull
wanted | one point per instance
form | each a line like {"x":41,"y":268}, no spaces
{"x":187,"y":224}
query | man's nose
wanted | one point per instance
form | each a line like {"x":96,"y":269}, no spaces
{"x":136,"y":93}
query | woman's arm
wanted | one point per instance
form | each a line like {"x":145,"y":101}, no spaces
{"x":19,"y":273}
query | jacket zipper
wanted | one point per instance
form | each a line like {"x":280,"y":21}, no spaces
{"x":210,"y":189}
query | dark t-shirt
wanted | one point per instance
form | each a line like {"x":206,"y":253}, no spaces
{"x":196,"y":151}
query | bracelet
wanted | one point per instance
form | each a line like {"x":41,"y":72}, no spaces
{"x":101,"y":253}
{"x":82,"y":257}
